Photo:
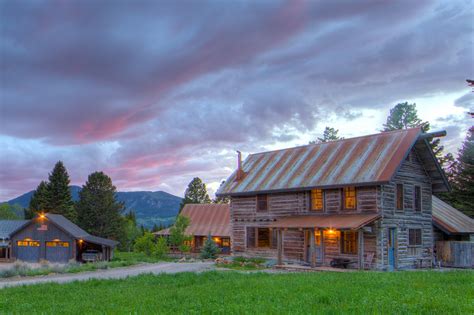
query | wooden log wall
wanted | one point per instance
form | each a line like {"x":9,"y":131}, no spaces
{"x":244,"y":215}
{"x":410,"y":174}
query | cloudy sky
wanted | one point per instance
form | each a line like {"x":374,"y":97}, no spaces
{"x":155,"y":93}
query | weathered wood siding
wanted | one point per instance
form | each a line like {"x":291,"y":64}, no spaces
{"x":411,"y":173}
{"x":244,"y":215}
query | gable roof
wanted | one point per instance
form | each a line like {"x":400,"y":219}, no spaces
{"x":355,"y":161}
{"x":361,"y":160}
{"x":449,"y":219}
{"x":8,"y":227}
{"x":205,"y":219}
{"x":77,"y":232}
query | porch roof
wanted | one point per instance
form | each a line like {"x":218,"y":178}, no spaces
{"x":334,"y":221}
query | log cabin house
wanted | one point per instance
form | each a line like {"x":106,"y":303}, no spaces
{"x":205,"y":220}
{"x":50,"y":237}
{"x":361,"y":202}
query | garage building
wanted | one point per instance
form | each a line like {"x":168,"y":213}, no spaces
{"x":53,"y":238}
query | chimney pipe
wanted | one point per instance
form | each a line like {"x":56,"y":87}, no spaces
{"x":240,"y":173}
{"x":430,"y":135}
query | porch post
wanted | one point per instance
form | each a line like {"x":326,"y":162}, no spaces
{"x":280,"y":246}
{"x":312,"y":249}
{"x":361,"y":248}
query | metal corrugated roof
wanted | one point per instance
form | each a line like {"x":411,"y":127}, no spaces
{"x":206,"y":219}
{"x":77,"y":232}
{"x":7,"y":227}
{"x":335,"y":221}
{"x":450,"y":219}
{"x":355,"y":161}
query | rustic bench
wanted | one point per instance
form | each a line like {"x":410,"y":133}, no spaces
{"x":342,"y":262}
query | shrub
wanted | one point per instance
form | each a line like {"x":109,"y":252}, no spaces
{"x":210,"y":249}
{"x":161,"y":248}
{"x":145,"y":244}
{"x":178,"y":237}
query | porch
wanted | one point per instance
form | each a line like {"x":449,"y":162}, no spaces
{"x":346,"y":241}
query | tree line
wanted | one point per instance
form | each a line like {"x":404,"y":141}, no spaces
{"x":97,"y":211}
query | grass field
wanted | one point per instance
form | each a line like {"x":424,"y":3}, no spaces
{"x":121,"y":259}
{"x":232,"y":292}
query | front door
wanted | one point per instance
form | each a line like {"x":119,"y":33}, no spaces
{"x":318,"y":245}
{"x":392,"y":244}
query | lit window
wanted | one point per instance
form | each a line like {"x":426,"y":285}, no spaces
{"x":414,"y":237}
{"x":28,"y":243}
{"x":262,"y":203}
{"x":348,"y":242}
{"x":225,"y":242}
{"x":349,"y":197}
{"x":317,"y":199}
{"x":261,"y":237}
{"x":399,"y":197}
{"x":57,"y":244}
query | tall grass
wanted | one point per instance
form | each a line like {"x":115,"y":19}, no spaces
{"x":257,"y":293}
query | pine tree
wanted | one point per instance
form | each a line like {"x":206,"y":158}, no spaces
{"x":195,"y":193}
{"x":39,"y":200}
{"x":210,"y":250}
{"x":329,"y":134}
{"x":99,"y":213}
{"x":462,"y":196}
{"x":59,"y":199}
{"x":403,"y":116}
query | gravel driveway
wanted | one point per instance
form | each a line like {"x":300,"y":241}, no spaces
{"x":115,"y":273}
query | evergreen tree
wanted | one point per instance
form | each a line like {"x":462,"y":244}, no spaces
{"x":99,"y":213}
{"x":195,"y":193}
{"x":39,"y":200}
{"x":329,"y":134}
{"x":462,"y":196}
{"x":210,"y":250}
{"x":155,"y":228}
{"x":222,"y":199}
{"x":59,"y":199}
{"x":404,"y":116}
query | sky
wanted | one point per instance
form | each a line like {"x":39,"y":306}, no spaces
{"x":154,"y":93}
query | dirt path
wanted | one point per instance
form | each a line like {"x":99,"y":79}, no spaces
{"x":115,"y":273}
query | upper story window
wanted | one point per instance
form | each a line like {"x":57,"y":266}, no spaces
{"x":400,"y":197}
{"x":262,"y":202}
{"x":417,"y":199}
{"x":317,"y":200}
{"x":349,"y":198}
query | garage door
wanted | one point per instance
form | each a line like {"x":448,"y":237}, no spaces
{"x":57,"y":251}
{"x":28,"y":250}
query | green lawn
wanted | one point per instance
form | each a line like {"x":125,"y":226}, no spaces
{"x":232,"y":292}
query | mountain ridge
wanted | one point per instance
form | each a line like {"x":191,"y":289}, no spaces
{"x":150,"y":207}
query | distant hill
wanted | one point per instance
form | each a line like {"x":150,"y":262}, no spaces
{"x":150,"y":207}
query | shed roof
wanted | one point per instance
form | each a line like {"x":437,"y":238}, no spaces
{"x":77,"y":232}
{"x":355,"y":161}
{"x":8,"y":227}
{"x":206,"y":219}
{"x":449,"y":219}
{"x":335,"y":221}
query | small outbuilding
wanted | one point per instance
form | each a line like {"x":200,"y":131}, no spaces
{"x":53,"y":238}
{"x":453,"y":233}
{"x":205,"y":220}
